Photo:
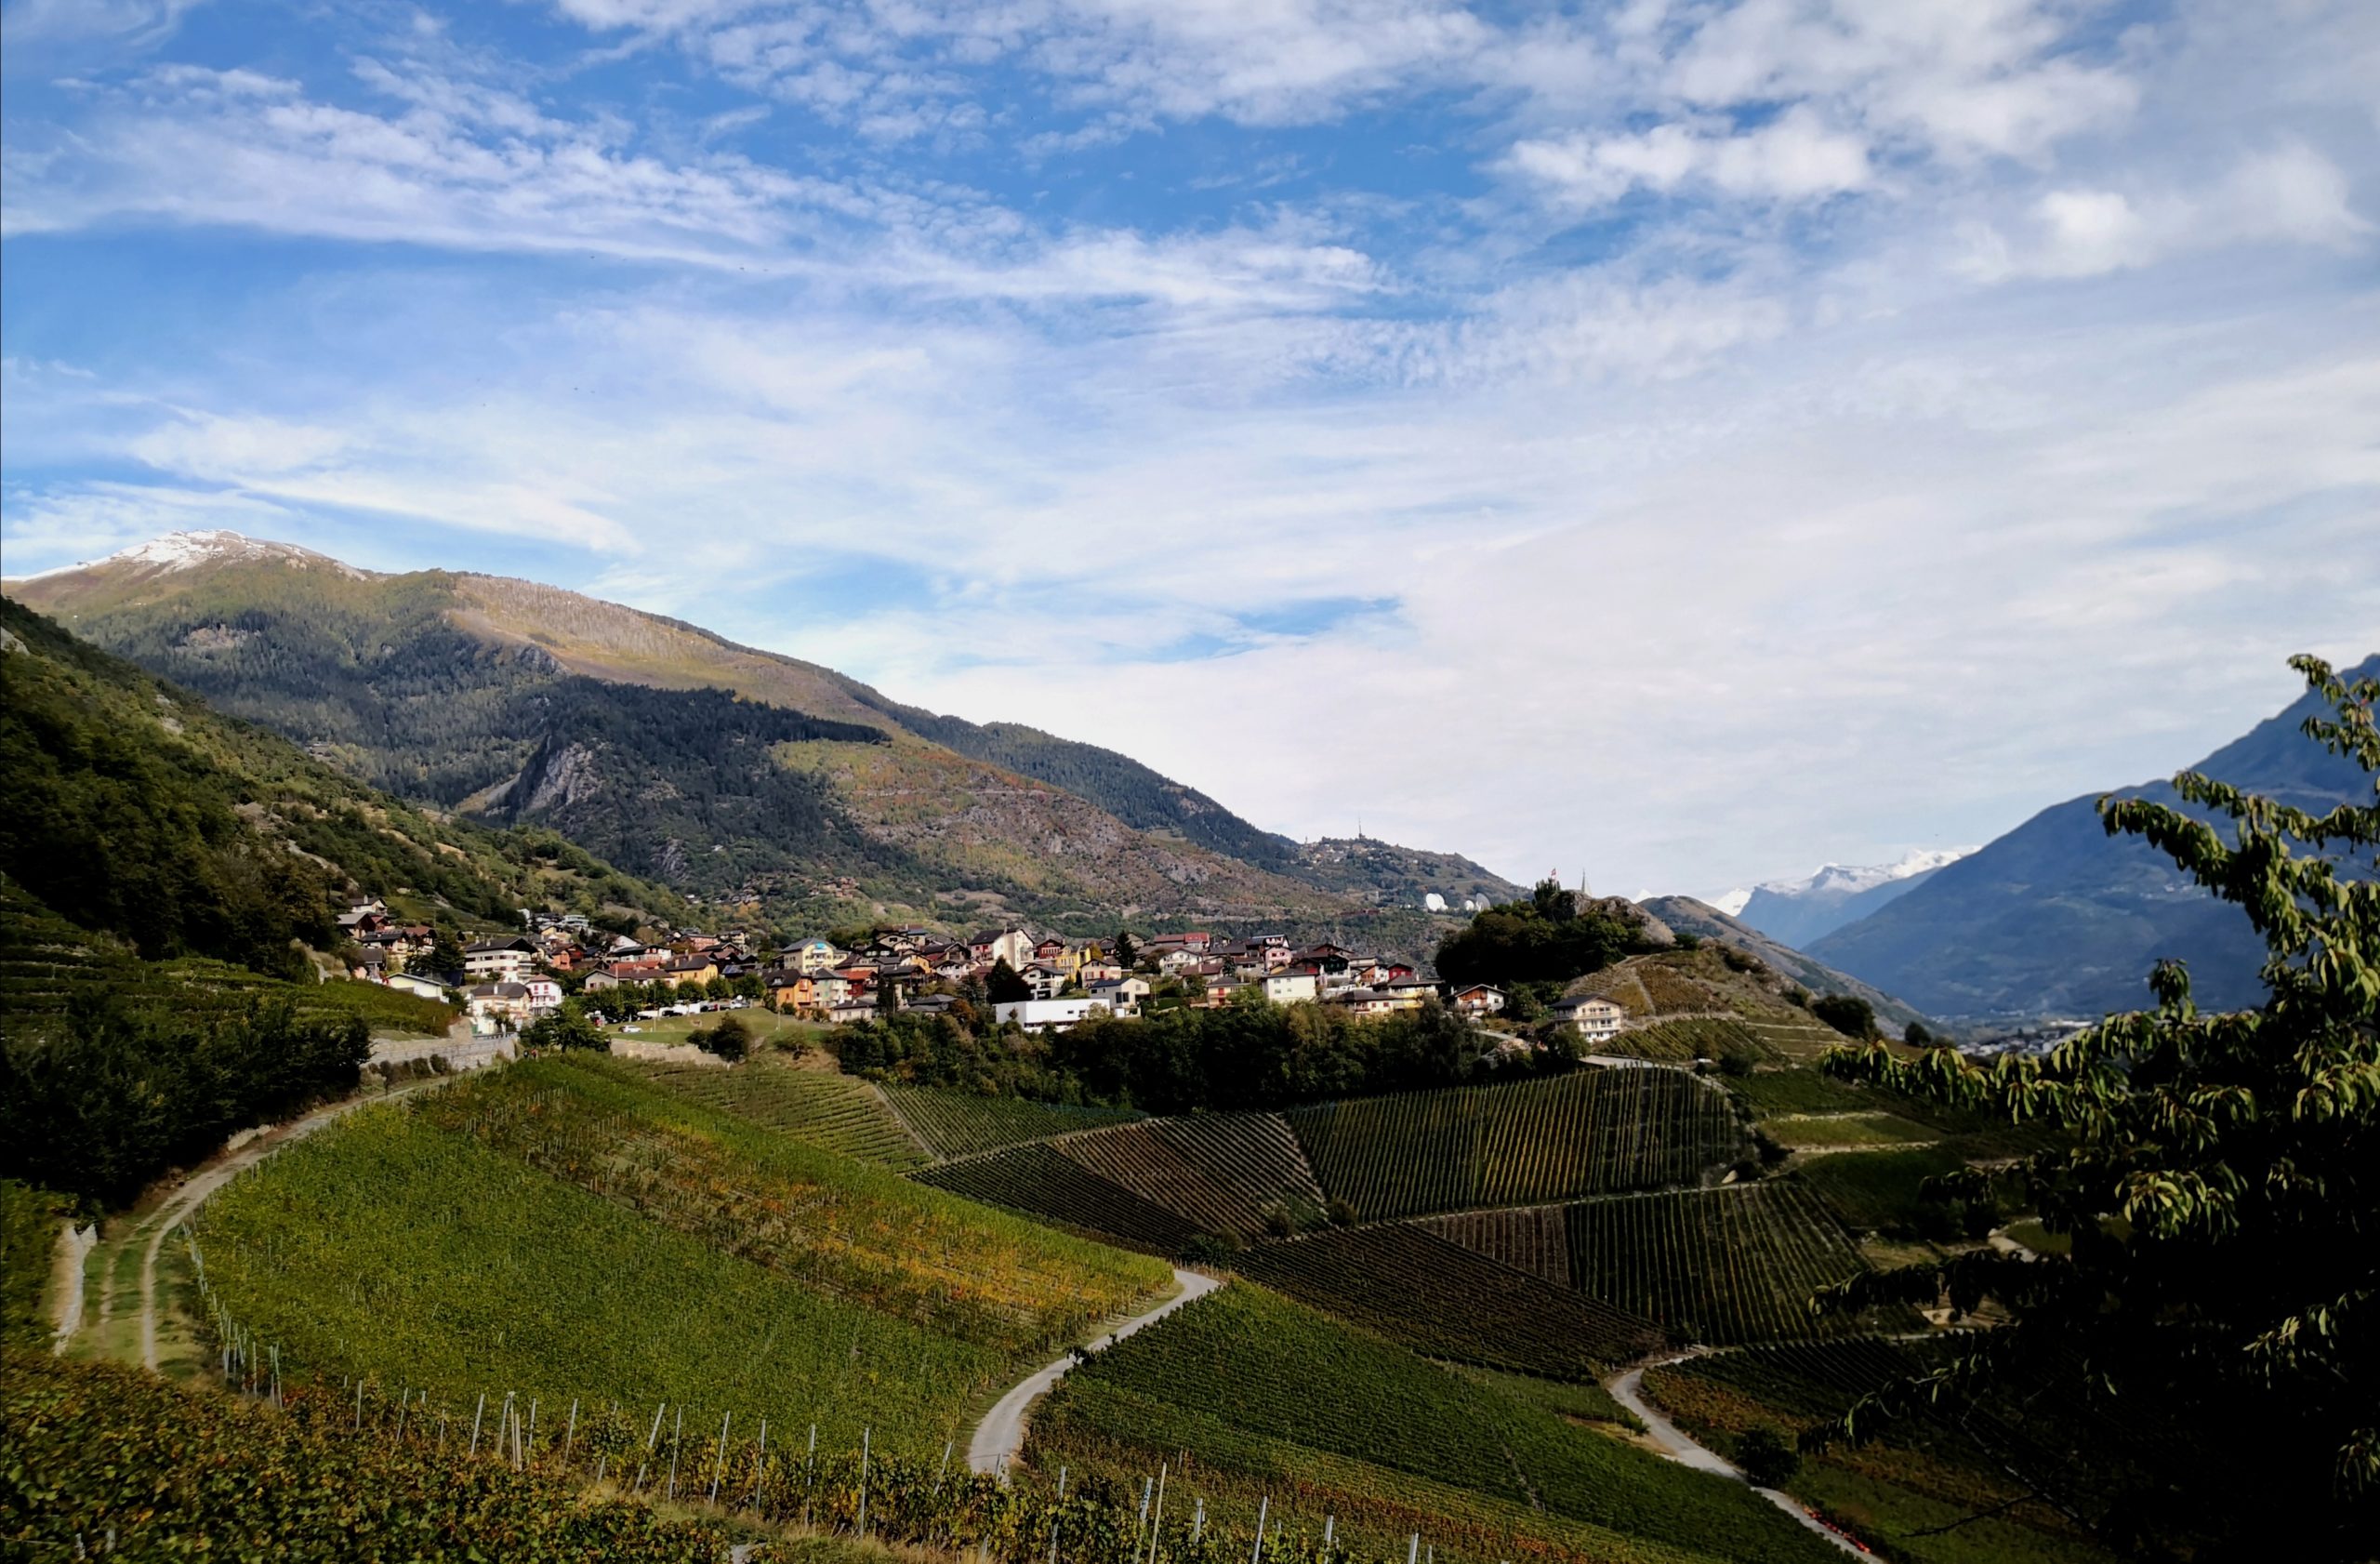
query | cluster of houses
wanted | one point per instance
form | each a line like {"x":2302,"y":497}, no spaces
{"x":507,"y":983}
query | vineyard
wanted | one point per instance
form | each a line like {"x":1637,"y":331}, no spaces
{"x":388,"y":1248}
{"x":1533,"y":1238}
{"x":836,"y":1111}
{"x":1803,"y":1091}
{"x":1240,"y":1174}
{"x":1879,"y":1190}
{"x":1245,"y":1392}
{"x":1732,"y":1264}
{"x":1683,"y":1041}
{"x":96,"y":1460}
{"x":1832,"y":1132}
{"x":1592,"y":1131}
{"x":1445,"y":1301}
{"x":859,"y":1233}
{"x":1935,"y":1493}
{"x":1036,"y":1179}
{"x":963,"y":1124}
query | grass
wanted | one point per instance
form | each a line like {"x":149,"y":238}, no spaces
{"x":1247,"y":1385}
{"x":768,"y":1028}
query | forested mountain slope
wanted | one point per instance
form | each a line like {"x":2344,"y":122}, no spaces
{"x":137,"y":811}
{"x":2059,"y":917}
{"x":812,"y":794}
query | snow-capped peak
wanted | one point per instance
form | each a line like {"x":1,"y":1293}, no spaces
{"x":1843,"y":880}
{"x":1732,"y":902}
{"x":182,"y":551}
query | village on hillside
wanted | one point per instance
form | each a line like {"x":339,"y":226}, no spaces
{"x":1043,"y":983}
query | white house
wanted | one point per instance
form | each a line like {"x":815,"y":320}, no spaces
{"x":1048,"y":1015}
{"x":1595,"y":1019}
{"x":499,"y":960}
{"x":500,"y":1007}
{"x":1286,"y":987}
{"x":415,"y":985}
{"x":1121,"y":995}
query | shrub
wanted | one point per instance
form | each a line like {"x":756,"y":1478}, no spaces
{"x":1767,"y":1460}
{"x":1852,"y":1017}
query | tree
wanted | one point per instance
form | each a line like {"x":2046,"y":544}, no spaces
{"x":1128,"y":950}
{"x":731,"y":1039}
{"x":445,"y":956}
{"x":1847,"y":1014}
{"x":1916,"y":1036}
{"x":1004,"y":987}
{"x":567,"y":1027}
{"x":1766,"y":1458}
{"x":2218,"y":1177}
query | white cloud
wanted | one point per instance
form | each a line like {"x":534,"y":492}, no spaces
{"x":2291,"y":195}
{"x":1795,"y":157}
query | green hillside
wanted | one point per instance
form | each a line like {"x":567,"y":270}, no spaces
{"x":566,"y":1232}
{"x":1249,"y":1395}
{"x":726,"y":772}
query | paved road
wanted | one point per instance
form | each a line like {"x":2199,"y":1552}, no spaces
{"x":1001,"y":1434}
{"x":1628,"y":1390}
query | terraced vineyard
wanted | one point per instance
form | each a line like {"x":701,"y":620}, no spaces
{"x":1796,"y":1037}
{"x":1441,"y":1299}
{"x":1732,"y":1264}
{"x":840,"y":1112}
{"x":1878,"y":1190}
{"x":1037,"y":1180}
{"x":1683,"y":1041}
{"x":1533,"y":1238}
{"x":1225,"y":1172}
{"x":1827,"y":1131}
{"x":963,"y":1124}
{"x":1247,"y":1394}
{"x":1592,"y":1131}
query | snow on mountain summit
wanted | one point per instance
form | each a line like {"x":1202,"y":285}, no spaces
{"x":1844,"y":880}
{"x":185,"y":551}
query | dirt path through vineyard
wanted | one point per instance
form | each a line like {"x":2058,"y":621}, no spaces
{"x":1628,"y":1390}
{"x":154,"y":1229}
{"x":1001,"y":1434}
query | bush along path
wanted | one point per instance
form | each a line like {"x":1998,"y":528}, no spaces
{"x":1001,"y":1434}
{"x":1628,"y":1389}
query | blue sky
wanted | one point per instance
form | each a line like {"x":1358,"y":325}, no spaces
{"x":1675,"y":442}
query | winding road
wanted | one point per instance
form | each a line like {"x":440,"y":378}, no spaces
{"x":1628,"y":1390}
{"x":1001,"y":1434}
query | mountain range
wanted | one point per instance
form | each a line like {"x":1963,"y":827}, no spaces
{"x":1797,"y":911}
{"x":739,"y":777}
{"x":2057,"y":917}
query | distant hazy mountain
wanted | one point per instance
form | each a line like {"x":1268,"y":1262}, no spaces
{"x":1799,"y":911}
{"x":2057,"y":917}
{"x":1685,"y":915}
{"x":725,"y":771}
